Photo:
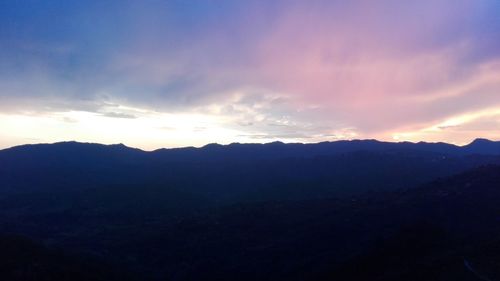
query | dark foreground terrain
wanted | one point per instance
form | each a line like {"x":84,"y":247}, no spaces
{"x":359,"y":210}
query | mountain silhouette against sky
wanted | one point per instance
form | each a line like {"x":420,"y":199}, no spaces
{"x":400,"y":211}
{"x":235,"y":172}
{"x":238,"y":151}
{"x":214,"y":140}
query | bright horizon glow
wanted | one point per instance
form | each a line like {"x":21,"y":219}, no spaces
{"x":158,"y":130}
{"x":154,"y":74}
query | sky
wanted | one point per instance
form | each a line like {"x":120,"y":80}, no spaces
{"x":154,"y":73}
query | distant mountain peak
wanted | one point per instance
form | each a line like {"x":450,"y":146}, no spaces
{"x":483,"y":146}
{"x":212,"y":146}
{"x":481,"y":141}
{"x":276,"y":143}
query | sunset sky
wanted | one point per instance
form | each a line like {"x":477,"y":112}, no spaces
{"x":154,"y":73}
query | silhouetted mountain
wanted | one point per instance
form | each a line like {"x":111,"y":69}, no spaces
{"x":483,"y":146}
{"x":245,"y":152}
{"x":236,"y":171}
{"x":81,"y":152}
{"x":66,"y":166}
{"x":259,"y":212}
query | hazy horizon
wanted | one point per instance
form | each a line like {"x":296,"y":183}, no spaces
{"x":229,"y":143}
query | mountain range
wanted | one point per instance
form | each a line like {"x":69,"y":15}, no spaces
{"x":399,"y":211}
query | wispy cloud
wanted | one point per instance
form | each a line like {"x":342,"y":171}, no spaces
{"x":296,"y":70}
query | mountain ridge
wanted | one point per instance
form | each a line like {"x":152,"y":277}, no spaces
{"x":236,"y":171}
{"x":274,"y":211}
{"x":477,"y":146}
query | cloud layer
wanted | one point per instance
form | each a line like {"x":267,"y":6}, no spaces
{"x":258,"y":70}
